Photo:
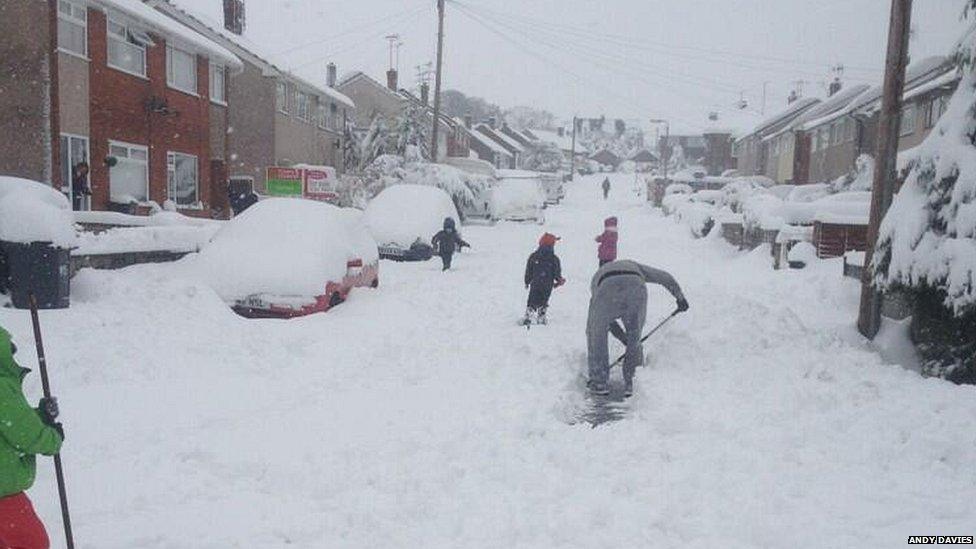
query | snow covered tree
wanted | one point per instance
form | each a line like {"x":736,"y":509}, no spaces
{"x":412,"y":128}
{"x":927,"y":240}
{"x":543,"y":156}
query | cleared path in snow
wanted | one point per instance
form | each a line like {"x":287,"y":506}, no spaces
{"x":420,"y":415}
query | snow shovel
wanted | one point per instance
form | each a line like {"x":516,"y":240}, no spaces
{"x":58,"y":470}
{"x":649,"y":334}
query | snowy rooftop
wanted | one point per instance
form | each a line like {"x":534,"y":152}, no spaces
{"x":783,"y":117}
{"x":501,"y":137}
{"x":210,"y":15}
{"x":917,"y":75}
{"x":487,"y":142}
{"x":170,"y":28}
{"x":564,"y":142}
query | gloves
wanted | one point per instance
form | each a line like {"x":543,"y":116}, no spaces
{"x":57,"y":427}
{"x":682,"y":305}
{"x":48,"y":408}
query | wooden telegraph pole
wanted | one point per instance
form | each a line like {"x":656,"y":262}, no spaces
{"x":572,"y":155}
{"x":885,"y":176}
{"x":437,"y":80}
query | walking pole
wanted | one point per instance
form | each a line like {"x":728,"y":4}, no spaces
{"x":58,"y":471}
{"x":649,"y":334}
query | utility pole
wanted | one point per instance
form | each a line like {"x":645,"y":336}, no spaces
{"x":437,"y":79}
{"x":885,"y":176}
{"x":572,"y":155}
{"x":762,"y":109}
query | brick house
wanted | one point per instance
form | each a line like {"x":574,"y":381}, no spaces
{"x":606,"y":158}
{"x":755,"y":153}
{"x":488,"y":150}
{"x":127,"y":91}
{"x":512,"y":146}
{"x":456,"y":140}
{"x":278,"y":118}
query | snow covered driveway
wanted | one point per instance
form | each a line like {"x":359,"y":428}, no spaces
{"x":420,"y":415}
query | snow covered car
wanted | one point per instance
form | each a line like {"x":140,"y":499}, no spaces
{"x":518,"y":196}
{"x":288,"y":257}
{"x":404,"y":218}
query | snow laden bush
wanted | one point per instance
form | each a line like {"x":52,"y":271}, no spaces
{"x":464,"y":188}
{"x":860,"y":179}
{"x":408,"y":131}
{"x":927,"y":240}
{"x":542,"y":156}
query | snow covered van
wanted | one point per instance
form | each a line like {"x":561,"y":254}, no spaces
{"x":404,"y":218}
{"x":289,"y":257}
{"x":519,"y":196}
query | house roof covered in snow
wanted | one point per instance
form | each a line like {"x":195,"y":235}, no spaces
{"x":831,"y":108}
{"x":486,"y":141}
{"x":502,"y":139}
{"x":208,"y":16}
{"x":160,"y":23}
{"x":564,"y":142}
{"x":781,"y":119}
{"x":918,"y":76}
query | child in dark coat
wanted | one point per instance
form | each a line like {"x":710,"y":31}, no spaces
{"x":543,"y":272}
{"x":447,"y":241}
{"x":607,"y":251}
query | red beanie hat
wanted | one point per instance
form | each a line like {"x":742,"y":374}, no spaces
{"x":548,"y":239}
{"x":610,"y":222}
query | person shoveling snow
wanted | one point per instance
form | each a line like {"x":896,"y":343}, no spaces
{"x":618,"y":292}
{"x":543,"y":272}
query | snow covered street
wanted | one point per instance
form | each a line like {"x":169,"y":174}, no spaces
{"x":420,"y":415}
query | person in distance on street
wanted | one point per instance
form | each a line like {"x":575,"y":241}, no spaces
{"x":606,"y":187}
{"x":618,"y":292}
{"x":25,"y":432}
{"x":543,"y":272}
{"x":447,"y":241}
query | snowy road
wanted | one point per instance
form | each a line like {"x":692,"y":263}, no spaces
{"x":420,"y":415}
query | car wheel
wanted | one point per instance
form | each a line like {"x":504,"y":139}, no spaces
{"x":335,"y":299}
{"x":375,"y":283}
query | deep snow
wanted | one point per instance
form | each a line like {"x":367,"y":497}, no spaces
{"x":420,"y":415}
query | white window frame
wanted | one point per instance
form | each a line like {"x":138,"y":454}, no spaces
{"x":216,"y":68}
{"x":322,"y":114}
{"x":73,"y":19}
{"x":908,"y":114}
{"x":171,"y":80}
{"x":281,"y":96}
{"x":128,"y":43}
{"x":130,"y":147}
{"x":303,"y":106}
{"x":171,"y":174}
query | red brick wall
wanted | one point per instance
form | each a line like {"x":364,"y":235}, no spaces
{"x":119,"y":113}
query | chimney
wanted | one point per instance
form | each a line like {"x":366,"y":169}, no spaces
{"x":425,"y":93}
{"x":561,"y":131}
{"x":391,"y":79}
{"x":234,"y":16}
{"x":330,"y":75}
{"x":468,"y":121}
{"x":835,"y":86}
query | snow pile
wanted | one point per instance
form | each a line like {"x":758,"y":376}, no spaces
{"x":808,"y":193}
{"x":849,"y":208}
{"x":279,"y":246}
{"x":34,"y":212}
{"x":781,"y":192}
{"x":360,"y":237}
{"x":741,"y":188}
{"x":928,"y":236}
{"x":173,"y":238}
{"x":698,"y":216}
{"x":156,"y":219}
{"x":678,"y":188}
{"x":670,"y":202}
{"x":402,"y":214}
{"x":518,"y":198}
{"x":763,"y":211}
{"x":708,"y":196}
{"x":860,"y":179}
{"x":802,"y":252}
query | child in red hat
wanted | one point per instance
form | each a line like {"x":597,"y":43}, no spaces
{"x":543,"y":272}
{"x":607,"y":251}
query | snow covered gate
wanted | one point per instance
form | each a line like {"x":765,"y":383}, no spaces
{"x":835,"y":239}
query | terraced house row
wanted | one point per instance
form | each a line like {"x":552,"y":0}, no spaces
{"x":139,"y":104}
{"x":815,"y":141}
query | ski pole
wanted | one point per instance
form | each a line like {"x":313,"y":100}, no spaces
{"x":649,"y":334}
{"x":58,"y":470}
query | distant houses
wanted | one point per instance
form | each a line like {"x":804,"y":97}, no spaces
{"x":815,"y":141}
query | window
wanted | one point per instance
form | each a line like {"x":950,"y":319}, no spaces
{"x":322,"y":115}
{"x":129,"y":178}
{"x":934,"y":110}
{"x":943,"y":105}
{"x":333,"y":116}
{"x":74,"y":170}
{"x":850,"y":130}
{"x":281,"y":97}
{"x":127,"y":48}
{"x":303,"y":108}
{"x":218,"y":84}
{"x":907,"y":120}
{"x":182,"y":179}
{"x":181,"y":69}
{"x":73,"y":28}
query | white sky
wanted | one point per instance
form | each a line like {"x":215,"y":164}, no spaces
{"x":632,"y":59}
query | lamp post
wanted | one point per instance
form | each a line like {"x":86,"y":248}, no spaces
{"x":664,"y":146}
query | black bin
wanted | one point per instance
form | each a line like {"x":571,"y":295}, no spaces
{"x":36,"y":267}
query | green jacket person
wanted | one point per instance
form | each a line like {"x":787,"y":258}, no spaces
{"x":24,"y":433}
